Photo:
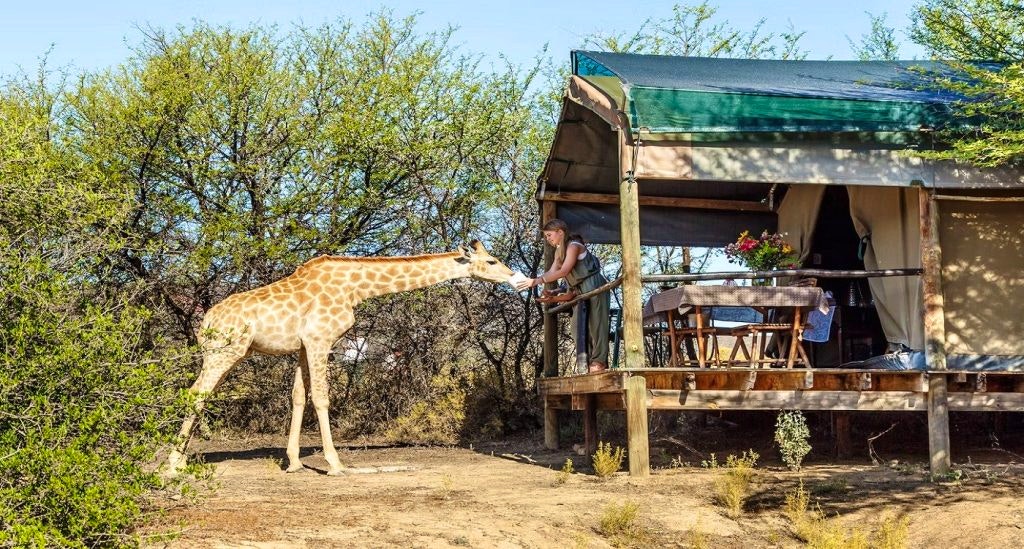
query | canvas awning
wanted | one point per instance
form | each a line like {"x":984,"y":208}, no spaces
{"x":715,"y":128}
{"x":667,"y":94}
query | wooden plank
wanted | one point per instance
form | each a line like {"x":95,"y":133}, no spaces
{"x":985,"y":402}
{"x":548,"y":212}
{"x":550,"y":426}
{"x":661,"y":399}
{"x":604,"y":382}
{"x":636,"y":426}
{"x":665,"y":201}
{"x":901,"y":381}
{"x":558,"y":402}
{"x":934,"y":334}
{"x":958,"y":401}
{"x":632,"y":287}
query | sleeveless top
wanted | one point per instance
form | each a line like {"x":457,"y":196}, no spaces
{"x":586,"y":269}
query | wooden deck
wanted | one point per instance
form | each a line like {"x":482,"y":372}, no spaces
{"x":639,"y":390}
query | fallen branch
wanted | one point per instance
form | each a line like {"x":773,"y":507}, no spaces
{"x":875,"y":459}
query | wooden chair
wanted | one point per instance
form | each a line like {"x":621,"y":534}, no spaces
{"x":765,"y":335}
{"x":704,"y":338}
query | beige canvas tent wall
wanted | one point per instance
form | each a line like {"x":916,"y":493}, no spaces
{"x":660,"y":150}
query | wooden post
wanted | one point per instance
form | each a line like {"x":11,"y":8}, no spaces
{"x":636,"y":426}
{"x":673,"y":360}
{"x":934,"y":335}
{"x":550,"y":426}
{"x":841,"y":425}
{"x":590,"y":423}
{"x":629,"y":228}
{"x":550,"y":321}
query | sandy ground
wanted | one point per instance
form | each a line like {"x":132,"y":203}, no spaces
{"x":507,"y":495}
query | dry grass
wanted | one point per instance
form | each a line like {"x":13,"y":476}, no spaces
{"x":563,"y":475}
{"x":621,"y":525}
{"x":809,"y":524}
{"x":733,"y":486}
{"x":606,"y":460}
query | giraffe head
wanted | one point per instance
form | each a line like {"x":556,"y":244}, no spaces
{"x":482,"y":264}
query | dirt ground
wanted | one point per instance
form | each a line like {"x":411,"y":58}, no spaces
{"x":506,"y":494}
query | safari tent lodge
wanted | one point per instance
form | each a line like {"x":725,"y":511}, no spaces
{"x":922,"y":258}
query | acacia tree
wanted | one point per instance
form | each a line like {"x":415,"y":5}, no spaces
{"x":965,"y":34}
{"x":249,"y":151}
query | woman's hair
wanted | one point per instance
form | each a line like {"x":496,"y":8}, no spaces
{"x":559,"y":225}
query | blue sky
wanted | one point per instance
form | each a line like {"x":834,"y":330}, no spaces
{"x":92,"y":35}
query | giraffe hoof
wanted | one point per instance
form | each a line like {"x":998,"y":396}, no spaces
{"x":295,"y":468}
{"x":339,"y":472}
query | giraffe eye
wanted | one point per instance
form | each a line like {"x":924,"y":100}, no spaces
{"x":492,"y":261}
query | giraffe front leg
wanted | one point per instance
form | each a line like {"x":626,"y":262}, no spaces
{"x":215,"y":368}
{"x":316,"y":362}
{"x":298,"y":407}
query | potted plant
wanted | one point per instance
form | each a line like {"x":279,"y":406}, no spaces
{"x":769,"y":252}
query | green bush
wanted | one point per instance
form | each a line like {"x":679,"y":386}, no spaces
{"x":792,"y":434}
{"x":82,"y":413}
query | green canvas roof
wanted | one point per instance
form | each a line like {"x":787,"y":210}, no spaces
{"x":667,"y":94}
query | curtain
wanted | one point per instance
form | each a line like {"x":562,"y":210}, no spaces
{"x":890,"y":219}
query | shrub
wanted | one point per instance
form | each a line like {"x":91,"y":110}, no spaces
{"x":733,"y":485}
{"x":621,"y":525}
{"x":893,"y":533}
{"x":82,"y":413}
{"x":606,"y":461}
{"x":792,"y":434}
{"x":435,"y":420}
{"x":565,"y":473}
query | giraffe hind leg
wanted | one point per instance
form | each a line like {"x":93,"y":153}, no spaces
{"x":299,"y":396}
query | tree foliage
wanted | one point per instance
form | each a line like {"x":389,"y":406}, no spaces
{"x":85,"y":393}
{"x":879,"y":43}
{"x":982,"y":41}
{"x":695,"y":30}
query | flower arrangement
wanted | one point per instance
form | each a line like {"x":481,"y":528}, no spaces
{"x":767,"y":253}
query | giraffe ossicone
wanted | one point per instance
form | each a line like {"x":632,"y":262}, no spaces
{"x":306,"y":313}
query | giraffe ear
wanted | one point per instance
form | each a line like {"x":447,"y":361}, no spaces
{"x":464,"y":255}
{"x":476,"y":245}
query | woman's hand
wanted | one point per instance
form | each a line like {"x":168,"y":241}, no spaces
{"x":526,"y":284}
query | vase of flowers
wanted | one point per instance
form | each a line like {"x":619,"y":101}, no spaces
{"x":769,"y":252}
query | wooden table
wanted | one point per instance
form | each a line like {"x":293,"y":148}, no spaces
{"x":665,"y":305}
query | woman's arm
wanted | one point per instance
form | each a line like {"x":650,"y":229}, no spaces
{"x":559,"y":271}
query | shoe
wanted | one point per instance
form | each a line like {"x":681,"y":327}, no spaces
{"x":597,"y":367}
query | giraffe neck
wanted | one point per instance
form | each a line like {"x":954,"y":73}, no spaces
{"x":379,"y":276}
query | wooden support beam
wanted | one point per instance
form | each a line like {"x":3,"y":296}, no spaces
{"x":632,"y":288}
{"x":550,"y":425}
{"x":841,"y":429}
{"x":604,"y":382}
{"x":667,"y":399}
{"x":666,"y":201}
{"x":636,"y":426}
{"x":934,"y":334}
{"x":548,"y":213}
{"x":590,"y":424}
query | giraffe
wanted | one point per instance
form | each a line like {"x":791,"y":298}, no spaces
{"x":307,"y":312}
